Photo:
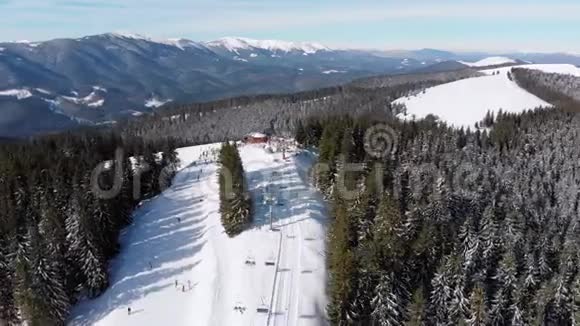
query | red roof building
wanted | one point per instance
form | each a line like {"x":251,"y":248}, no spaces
{"x":256,"y":138}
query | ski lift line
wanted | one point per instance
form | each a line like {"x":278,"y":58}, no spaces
{"x":298,"y":277}
{"x":275,"y":281}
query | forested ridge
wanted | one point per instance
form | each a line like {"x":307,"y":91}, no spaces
{"x":233,"y":118}
{"x":558,"y":89}
{"x":459,"y":228}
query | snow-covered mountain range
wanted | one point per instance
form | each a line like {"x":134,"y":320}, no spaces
{"x":47,"y":86}
{"x":235,"y":44}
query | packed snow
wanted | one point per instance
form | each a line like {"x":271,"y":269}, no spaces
{"x":465,"y":102}
{"x":234,"y":44}
{"x":491,"y":61}
{"x":20,"y":94}
{"x":178,"y":267}
{"x":155,"y":102}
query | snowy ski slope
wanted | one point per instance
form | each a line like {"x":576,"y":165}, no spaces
{"x":463,"y":103}
{"x":220,"y":281}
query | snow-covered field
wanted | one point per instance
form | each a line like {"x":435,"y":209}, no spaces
{"x":178,"y":267}
{"x":465,"y":102}
{"x":491,"y":61}
{"x":18,"y":93}
{"x":155,"y":102}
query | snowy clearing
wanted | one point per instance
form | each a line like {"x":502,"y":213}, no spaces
{"x":155,"y":103}
{"x":43,"y":91}
{"x":92,"y":100}
{"x":491,"y":61}
{"x":465,"y":102}
{"x":240,"y":59}
{"x":178,"y":267}
{"x":18,"y":93}
{"x":97,"y":103}
{"x":99,"y":88}
{"x":328,"y":72}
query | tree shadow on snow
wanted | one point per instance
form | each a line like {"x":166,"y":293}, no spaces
{"x":167,"y":230}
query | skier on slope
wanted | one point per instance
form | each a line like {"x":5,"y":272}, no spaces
{"x":129,"y":311}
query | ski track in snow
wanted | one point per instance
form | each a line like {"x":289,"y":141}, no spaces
{"x":210,"y":266}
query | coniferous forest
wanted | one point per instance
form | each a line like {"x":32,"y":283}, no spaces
{"x":235,"y":202}
{"x":443,"y":227}
{"x":56,"y":233}
{"x":453,"y":227}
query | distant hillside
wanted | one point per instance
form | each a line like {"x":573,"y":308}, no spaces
{"x":104,"y":79}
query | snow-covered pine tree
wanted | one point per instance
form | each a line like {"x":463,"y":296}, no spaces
{"x":387,"y":306}
{"x":542,"y":301}
{"x":41,"y":292}
{"x":478,"y":310}
{"x":575,"y":320}
{"x":441,"y":294}
{"x":359,"y":311}
{"x":416,"y":309}
{"x":341,"y":265}
{"x":84,"y":249}
{"x":8,"y":310}
{"x":561,"y":308}
{"x":459,"y":305}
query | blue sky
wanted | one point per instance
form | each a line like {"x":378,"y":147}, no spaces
{"x":526,"y":25}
